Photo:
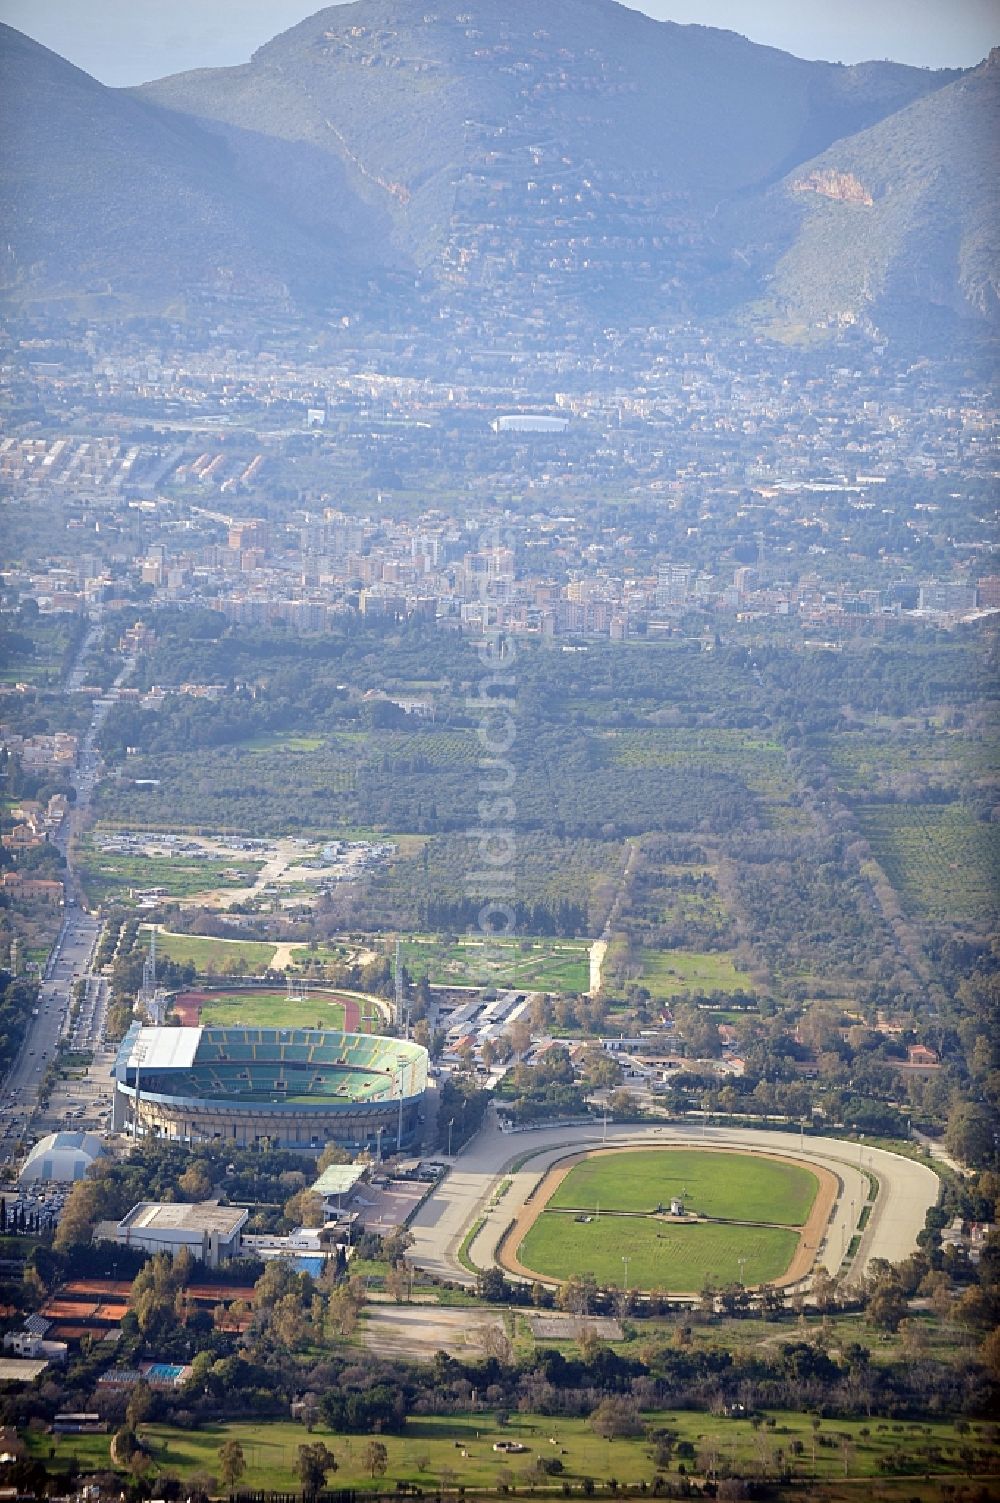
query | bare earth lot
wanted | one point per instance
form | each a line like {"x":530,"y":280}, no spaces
{"x":422,"y":1330}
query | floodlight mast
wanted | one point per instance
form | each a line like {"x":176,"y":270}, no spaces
{"x":399,"y":1127}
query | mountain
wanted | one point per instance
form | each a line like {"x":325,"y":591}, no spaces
{"x":575,"y":145}
{"x":106,"y":196}
{"x":543,"y":159}
{"x":899,"y":222}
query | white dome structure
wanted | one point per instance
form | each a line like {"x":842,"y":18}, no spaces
{"x":61,"y":1158}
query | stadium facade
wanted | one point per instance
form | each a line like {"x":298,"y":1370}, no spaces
{"x":288,"y":1087}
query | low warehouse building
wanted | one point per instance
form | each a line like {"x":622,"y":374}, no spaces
{"x":208,"y":1230}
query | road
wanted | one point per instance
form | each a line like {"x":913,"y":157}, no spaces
{"x":79,"y":1103}
{"x":907,"y":1189}
{"x":69,"y":961}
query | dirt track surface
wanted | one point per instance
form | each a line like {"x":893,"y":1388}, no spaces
{"x":810,"y":1234}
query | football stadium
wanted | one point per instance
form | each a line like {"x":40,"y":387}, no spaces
{"x":289,"y":1087}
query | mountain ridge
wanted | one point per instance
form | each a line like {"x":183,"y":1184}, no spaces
{"x":675,"y":101}
{"x":102,"y":193}
{"x":575,"y":155}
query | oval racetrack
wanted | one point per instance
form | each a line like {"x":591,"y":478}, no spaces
{"x":907,"y":1189}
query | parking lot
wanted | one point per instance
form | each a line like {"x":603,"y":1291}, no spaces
{"x":382,"y":1208}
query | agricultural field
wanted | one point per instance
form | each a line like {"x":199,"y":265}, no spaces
{"x":424,"y":780}
{"x":429,"y":890}
{"x":944,"y":862}
{"x":757,"y":761}
{"x":106,"y":874}
{"x":901,"y":758}
{"x":675,"y":973}
{"x":458,"y":1450}
{"x":211,"y":956}
{"x":255,"y":789}
{"x":680,"y":1257}
{"x":728,"y":1186}
{"x":552,"y":965}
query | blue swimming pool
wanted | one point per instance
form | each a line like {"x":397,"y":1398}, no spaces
{"x":309,"y":1263}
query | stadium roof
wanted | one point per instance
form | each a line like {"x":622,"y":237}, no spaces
{"x":162,"y":1048}
{"x":62,"y":1157}
{"x":338,"y":1179}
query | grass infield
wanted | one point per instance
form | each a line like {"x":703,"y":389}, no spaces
{"x":725,"y":1186}
{"x":661,"y":1255}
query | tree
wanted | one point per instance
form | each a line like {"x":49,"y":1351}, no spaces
{"x":85,"y":1205}
{"x":397,"y":1282}
{"x":342,"y":1310}
{"x":886,"y":1306}
{"x":520,"y":1035}
{"x":332,"y":1154}
{"x":495,"y":1343}
{"x":697,"y":1030}
{"x":304,"y":1208}
{"x":577,"y":1294}
{"x":990,"y":1352}
{"x":614,"y":1418}
{"x":314,"y":1464}
{"x":492,"y":1286}
{"x":201,"y":1486}
{"x":196,"y":1182}
{"x":139,"y":1404}
{"x":824,"y":1291}
{"x":970,"y":1133}
{"x":232,"y":1462}
{"x":375,"y":1458}
{"x":288,"y":1323}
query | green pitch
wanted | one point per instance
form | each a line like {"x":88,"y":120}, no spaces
{"x":661,"y":1255}
{"x":272,"y":1010}
{"x":724,"y":1186}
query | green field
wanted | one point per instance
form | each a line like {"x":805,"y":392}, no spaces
{"x":943,"y":861}
{"x":273,"y":1010}
{"x":283,"y":741}
{"x":211,"y":956}
{"x":728,"y":1186}
{"x":662,"y":1255}
{"x":460,"y":1447}
{"x":551,"y":965}
{"x":105,"y":874}
{"x":671,"y":973}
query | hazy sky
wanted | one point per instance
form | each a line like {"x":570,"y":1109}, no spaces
{"x":129,"y":41}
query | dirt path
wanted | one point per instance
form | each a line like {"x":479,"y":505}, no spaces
{"x":598,"y":950}
{"x":810,"y":1235}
